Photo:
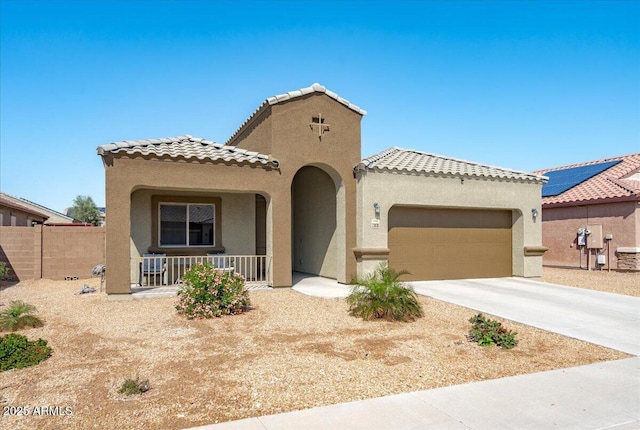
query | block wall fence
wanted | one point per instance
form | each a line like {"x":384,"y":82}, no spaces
{"x":51,"y":252}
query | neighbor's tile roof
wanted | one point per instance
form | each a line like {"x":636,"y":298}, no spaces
{"x":399,"y":159}
{"x":54,"y":217}
{"x":315,"y":88}
{"x":621,"y":181}
{"x":13,"y":205}
{"x":187,"y":147}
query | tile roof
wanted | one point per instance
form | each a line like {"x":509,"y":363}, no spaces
{"x":399,"y":159}
{"x":314,"y":88}
{"x":54,"y":217}
{"x":188,"y":147}
{"x":13,"y":205}
{"x":621,"y":181}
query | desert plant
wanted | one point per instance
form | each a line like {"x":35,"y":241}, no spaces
{"x":4,"y":270}
{"x":209,"y":292}
{"x":488,"y":332}
{"x":134,"y":386}
{"x":17,"y":352}
{"x":381,"y":295}
{"x":18,"y":315}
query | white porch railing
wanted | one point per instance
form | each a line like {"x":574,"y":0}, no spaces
{"x":156,"y":270}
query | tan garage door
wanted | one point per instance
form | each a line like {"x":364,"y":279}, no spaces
{"x":450,"y":243}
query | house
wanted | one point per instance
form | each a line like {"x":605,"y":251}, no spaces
{"x":288,"y":191}
{"x":591,"y":214}
{"x":16,"y":215}
{"x":50,"y":216}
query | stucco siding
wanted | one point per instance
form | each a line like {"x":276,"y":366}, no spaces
{"x":393,"y":189}
{"x":560,"y":226}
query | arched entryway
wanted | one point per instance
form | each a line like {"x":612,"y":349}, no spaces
{"x":314,"y":228}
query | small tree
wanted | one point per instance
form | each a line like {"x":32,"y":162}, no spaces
{"x":84,"y":209}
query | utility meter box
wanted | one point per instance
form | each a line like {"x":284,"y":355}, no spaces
{"x":594,"y":240}
{"x":602,"y":260}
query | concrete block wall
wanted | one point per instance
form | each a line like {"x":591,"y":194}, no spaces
{"x":17,"y":249}
{"x":52,"y":252}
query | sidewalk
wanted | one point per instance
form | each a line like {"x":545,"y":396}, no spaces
{"x":596,"y":396}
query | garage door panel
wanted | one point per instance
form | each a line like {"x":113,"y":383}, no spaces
{"x":449,"y":243}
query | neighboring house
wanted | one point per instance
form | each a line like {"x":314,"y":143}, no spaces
{"x":290,"y":185}
{"x":591,"y":214}
{"x":16,"y":215}
{"x":51,"y":216}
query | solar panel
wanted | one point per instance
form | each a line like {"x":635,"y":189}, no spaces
{"x":565,"y":179}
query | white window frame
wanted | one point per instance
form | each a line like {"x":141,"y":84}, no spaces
{"x":213,"y":230}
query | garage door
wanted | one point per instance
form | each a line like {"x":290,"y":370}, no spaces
{"x":450,"y":243}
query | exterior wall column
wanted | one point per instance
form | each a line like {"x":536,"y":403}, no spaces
{"x":279,"y":236}
{"x":118,"y":236}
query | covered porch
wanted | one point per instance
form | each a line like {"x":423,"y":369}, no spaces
{"x":174,"y":230}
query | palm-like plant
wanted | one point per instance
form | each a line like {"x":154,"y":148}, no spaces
{"x":381,"y":295}
{"x":19,"y":315}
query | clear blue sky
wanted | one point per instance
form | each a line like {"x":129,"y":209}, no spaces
{"x":523,"y":85}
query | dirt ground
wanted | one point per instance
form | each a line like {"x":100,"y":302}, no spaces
{"x":627,"y":283}
{"x":289,"y":352}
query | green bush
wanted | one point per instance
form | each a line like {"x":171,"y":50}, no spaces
{"x":134,"y":386}
{"x":488,"y":332}
{"x":18,"y":315}
{"x":17,"y":352}
{"x":4,"y":270}
{"x":208,"y":292}
{"x":381,"y":295}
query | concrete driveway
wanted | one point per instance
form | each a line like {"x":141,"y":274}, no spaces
{"x":606,"y":319}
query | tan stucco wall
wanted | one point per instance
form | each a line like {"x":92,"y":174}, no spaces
{"x":292,"y":142}
{"x":560,"y":226}
{"x":390,"y":189}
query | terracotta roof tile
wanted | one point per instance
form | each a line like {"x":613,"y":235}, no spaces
{"x":614,"y":183}
{"x":398,"y":159}
{"x":187,"y":147}
{"x":315,"y":88}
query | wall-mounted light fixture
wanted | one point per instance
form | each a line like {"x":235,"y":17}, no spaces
{"x":376,"y":208}
{"x":534,"y":213}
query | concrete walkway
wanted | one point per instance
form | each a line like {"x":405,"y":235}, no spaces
{"x":596,"y":396}
{"x":606,"y":319}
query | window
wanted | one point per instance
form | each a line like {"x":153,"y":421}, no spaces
{"x":190,"y":224}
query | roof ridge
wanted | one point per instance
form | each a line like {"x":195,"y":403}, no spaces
{"x":187,"y":147}
{"x":413,"y":160}
{"x":473,"y":163}
{"x":278,"y":98}
{"x":589,"y":163}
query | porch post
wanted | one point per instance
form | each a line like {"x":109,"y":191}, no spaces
{"x":118,"y":233}
{"x":279,"y":236}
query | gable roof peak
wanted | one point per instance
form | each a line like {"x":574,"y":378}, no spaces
{"x":313,"y":88}
{"x":411,"y":160}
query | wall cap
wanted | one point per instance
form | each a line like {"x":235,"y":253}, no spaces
{"x":629,"y":249}
{"x":371,"y":253}
{"x":535,"y":251}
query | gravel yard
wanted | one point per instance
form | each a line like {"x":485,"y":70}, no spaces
{"x":627,"y":283}
{"x":289,"y":352}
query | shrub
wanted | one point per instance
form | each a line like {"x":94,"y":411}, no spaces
{"x":17,"y":352}
{"x":488,"y":332}
{"x":18,"y":315}
{"x":381,"y":295}
{"x":208,"y":292}
{"x":4,"y":270}
{"x":134,"y":386}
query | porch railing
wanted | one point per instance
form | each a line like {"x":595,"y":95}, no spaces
{"x":156,"y":270}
